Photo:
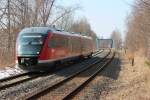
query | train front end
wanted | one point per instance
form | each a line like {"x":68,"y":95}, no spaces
{"x":28,"y":48}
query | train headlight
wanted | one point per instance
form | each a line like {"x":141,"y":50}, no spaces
{"x":53,"y":50}
{"x":16,"y":61}
{"x":19,"y":47}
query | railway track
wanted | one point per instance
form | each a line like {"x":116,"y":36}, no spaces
{"x":27,"y":73}
{"x":13,"y":77}
{"x":38,"y":93}
{"x":24,"y":77}
{"x":97,"y":52}
{"x":15,"y":80}
{"x":82,"y":85}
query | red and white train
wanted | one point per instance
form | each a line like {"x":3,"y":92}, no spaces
{"x":41,"y":47}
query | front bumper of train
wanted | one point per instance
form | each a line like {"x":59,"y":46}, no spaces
{"x":32,"y":63}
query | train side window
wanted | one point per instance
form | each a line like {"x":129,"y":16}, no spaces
{"x":61,"y":42}
{"x":52,"y":42}
{"x":75,"y":44}
{"x":84,"y":45}
{"x":58,"y":42}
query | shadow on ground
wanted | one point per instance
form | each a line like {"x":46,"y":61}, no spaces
{"x":111,"y":71}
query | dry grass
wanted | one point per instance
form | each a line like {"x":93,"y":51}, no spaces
{"x":134,"y":81}
{"x":7,"y":57}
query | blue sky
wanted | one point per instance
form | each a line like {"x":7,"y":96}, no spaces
{"x":103,"y":15}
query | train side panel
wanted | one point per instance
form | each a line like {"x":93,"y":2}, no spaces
{"x":87,"y":46}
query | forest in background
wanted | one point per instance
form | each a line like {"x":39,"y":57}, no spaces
{"x":18,"y":14}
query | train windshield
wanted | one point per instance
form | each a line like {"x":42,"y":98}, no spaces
{"x":30,"y":43}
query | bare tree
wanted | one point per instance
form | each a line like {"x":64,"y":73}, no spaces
{"x":82,"y":26}
{"x":46,"y":10}
{"x":65,"y":22}
{"x":116,"y":36}
{"x":17,"y":14}
{"x":137,"y":37}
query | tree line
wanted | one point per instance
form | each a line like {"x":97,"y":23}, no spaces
{"x":138,"y":27}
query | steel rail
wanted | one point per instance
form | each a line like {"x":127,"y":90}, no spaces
{"x":11,"y":82}
{"x":96,"y":53}
{"x":13,"y":77}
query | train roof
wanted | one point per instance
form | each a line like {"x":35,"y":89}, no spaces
{"x":44,"y":30}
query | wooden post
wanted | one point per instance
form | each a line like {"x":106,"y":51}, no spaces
{"x":133,"y":61}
